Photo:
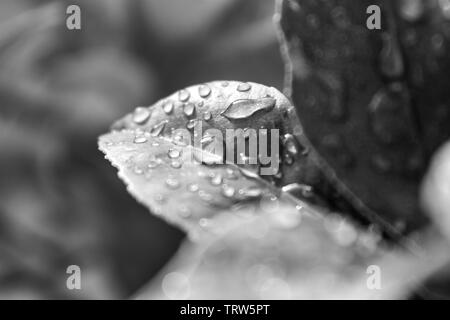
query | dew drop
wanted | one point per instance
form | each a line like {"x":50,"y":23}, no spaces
{"x":225,"y":83}
{"x":189,"y":109}
{"x":250,"y":192}
{"x":141,"y":115}
{"x":228,"y":191}
{"x":245,"y":108}
{"x":243,"y":87}
{"x":191,"y":124}
{"x":207,"y":115}
{"x":204,"y":90}
{"x":172,"y":183}
{"x":154,"y":162}
{"x":168,"y":106}
{"x":184,"y":95}
{"x":140,"y":139}
{"x":193,"y":187}
{"x":173,"y":153}
{"x":290,"y":144}
{"x":205,"y":196}
{"x":176,"y":164}
{"x":158,"y":128}
{"x":203,"y":222}
{"x":216,"y":179}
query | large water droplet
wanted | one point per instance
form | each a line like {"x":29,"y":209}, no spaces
{"x":141,"y":115}
{"x":158,"y":128}
{"x":207,"y":115}
{"x":189,"y":109}
{"x":245,"y":108}
{"x":204,"y":90}
{"x":184,"y":95}
{"x":243,"y":86}
{"x":168,"y":106}
{"x":140,"y":139}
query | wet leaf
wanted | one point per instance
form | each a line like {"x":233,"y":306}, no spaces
{"x":372,"y":102}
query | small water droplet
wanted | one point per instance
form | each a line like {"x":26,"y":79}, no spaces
{"x":228,"y":191}
{"x":250,"y":192}
{"x":207,"y":115}
{"x":160,"y":198}
{"x":243,"y":86}
{"x":140,"y":139}
{"x":158,"y":128}
{"x":193,"y":187}
{"x":184,"y":212}
{"x":138,"y":170}
{"x":205,"y":196}
{"x":184,"y":95}
{"x":245,"y":108}
{"x":204,"y":90}
{"x":189,"y":109}
{"x":290,"y":143}
{"x":141,"y":115}
{"x":203,"y":222}
{"x":168,"y":106}
{"x":174,"y":153}
{"x":154,"y":162}
{"x":225,"y":83}
{"x":216,"y":179}
{"x":172,"y":183}
{"x":176,"y":164}
{"x":191,"y":124}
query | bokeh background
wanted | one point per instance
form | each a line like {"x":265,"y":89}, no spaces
{"x":60,"y":202}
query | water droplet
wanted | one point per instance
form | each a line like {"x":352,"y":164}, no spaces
{"x":290,"y":143}
{"x":205,"y":196}
{"x":250,"y":192}
{"x":154,"y":162}
{"x":207,"y":115}
{"x":160,"y":198}
{"x":158,"y":128}
{"x":138,"y":170}
{"x":140,"y":139}
{"x":225,"y":83}
{"x":141,"y":115}
{"x":193,"y":187}
{"x":216,"y":179}
{"x":412,"y":10}
{"x":184,"y":95}
{"x":391,"y":60}
{"x":231,"y":174}
{"x":228,"y":191}
{"x":204,"y":90}
{"x":191,"y":124}
{"x":244,"y":108}
{"x":288,"y":159}
{"x":243,"y":86}
{"x":168,"y":106}
{"x":184,"y":212}
{"x":203,"y":222}
{"x":174,"y":153}
{"x":189,"y":109}
{"x":176,"y":164}
{"x":269,"y":203}
{"x":172,"y":183}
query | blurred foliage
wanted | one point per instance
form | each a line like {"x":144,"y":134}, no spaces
{"x":60,"y":204}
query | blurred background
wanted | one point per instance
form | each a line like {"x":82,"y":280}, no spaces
{"x":61,"y":203}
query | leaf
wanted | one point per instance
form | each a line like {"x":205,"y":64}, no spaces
{"x":356,"y":94}
{"x":281,"y":253}
{"x":156,"y":150}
